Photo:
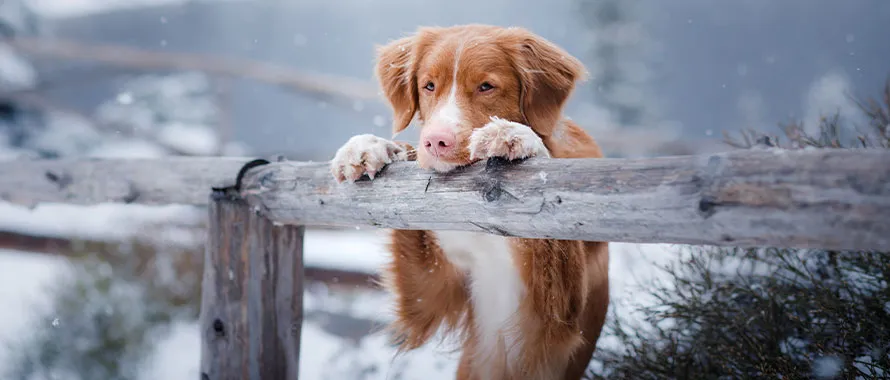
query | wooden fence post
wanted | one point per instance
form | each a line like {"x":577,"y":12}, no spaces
{"x":252,"y":295}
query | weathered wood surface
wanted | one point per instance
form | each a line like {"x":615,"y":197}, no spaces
{"x":832,"y":199}
{"x":815,"y":198}
{"x":252,"y":297}
{"x":183,"y":180}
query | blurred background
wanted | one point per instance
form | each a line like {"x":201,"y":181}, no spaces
{"x":111,"y":292}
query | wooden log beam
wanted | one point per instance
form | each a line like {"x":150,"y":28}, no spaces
{"x":175,"y":180}
{"x":830,"y":199}
{"x":252,"y":296}
{"x":827,"y":198}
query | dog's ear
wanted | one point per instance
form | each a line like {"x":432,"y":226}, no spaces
{"x":396,"y":70}
{"x":547,"y":74}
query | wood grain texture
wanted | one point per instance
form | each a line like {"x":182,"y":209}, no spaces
{"x":185,"y":180}
{"x":252,"y":297}
{"x":831,"y":199}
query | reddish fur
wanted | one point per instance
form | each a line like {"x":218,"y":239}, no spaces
{"x":432,"y":293}
{"x":561,"y":317}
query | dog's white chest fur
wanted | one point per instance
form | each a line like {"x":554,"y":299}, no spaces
{"x":495,"y":285}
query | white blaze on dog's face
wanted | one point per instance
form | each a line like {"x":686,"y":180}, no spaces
{"x":455,"y":79}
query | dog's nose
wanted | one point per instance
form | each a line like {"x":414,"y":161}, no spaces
{"x":439,"y":143}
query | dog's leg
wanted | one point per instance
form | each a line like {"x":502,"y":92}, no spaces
{"x":430,"y":291}
{"x":566,"y":281}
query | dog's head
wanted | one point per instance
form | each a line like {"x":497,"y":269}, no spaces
{"x":455,"y":79}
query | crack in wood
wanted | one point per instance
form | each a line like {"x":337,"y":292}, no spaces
{"x":870,"y":186}
{"x":705,"y":183}
{"x":61,"y":180}
{"x":133,"y":193}
{"x":491,"y":229}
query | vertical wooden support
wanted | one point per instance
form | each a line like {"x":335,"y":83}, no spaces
{"x":252,"y":295}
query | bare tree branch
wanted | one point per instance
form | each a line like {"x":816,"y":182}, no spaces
{"x":337,"y":87}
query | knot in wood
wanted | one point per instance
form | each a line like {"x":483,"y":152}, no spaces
{"x":61,"y":180}
{"x":219,"y":328}
{"x":267,"y":180}
{"x":706,"y":206}
{"x":492,"y":192}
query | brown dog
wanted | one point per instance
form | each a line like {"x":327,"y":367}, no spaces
{"x":524,"y":308}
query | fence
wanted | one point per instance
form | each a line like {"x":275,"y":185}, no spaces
{"x":251,"y":309}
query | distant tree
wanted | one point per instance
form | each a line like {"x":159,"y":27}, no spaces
{"x":617,"y":58}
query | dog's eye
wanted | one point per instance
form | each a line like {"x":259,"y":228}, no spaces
{"x":485,"y":86}
{"x":430,"y":86}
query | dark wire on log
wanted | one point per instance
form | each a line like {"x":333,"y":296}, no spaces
{"x":235,"y":190}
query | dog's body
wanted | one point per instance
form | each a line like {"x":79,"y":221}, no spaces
{"x":524,"y":308}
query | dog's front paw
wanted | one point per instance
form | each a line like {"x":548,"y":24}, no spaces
{"x":365,"y":154}
{"x":507,"y":139}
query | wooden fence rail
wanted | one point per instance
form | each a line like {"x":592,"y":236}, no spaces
{"x":796,"y":199}
{"x":832,"y":199}
{"x":829,"y":199}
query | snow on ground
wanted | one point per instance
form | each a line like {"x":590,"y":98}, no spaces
{"x":359,"y":250}
{"x":15,"y":73}
{"x":22,"y":276}
{"x":176,"y":357}
{"x":100,"y":222}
